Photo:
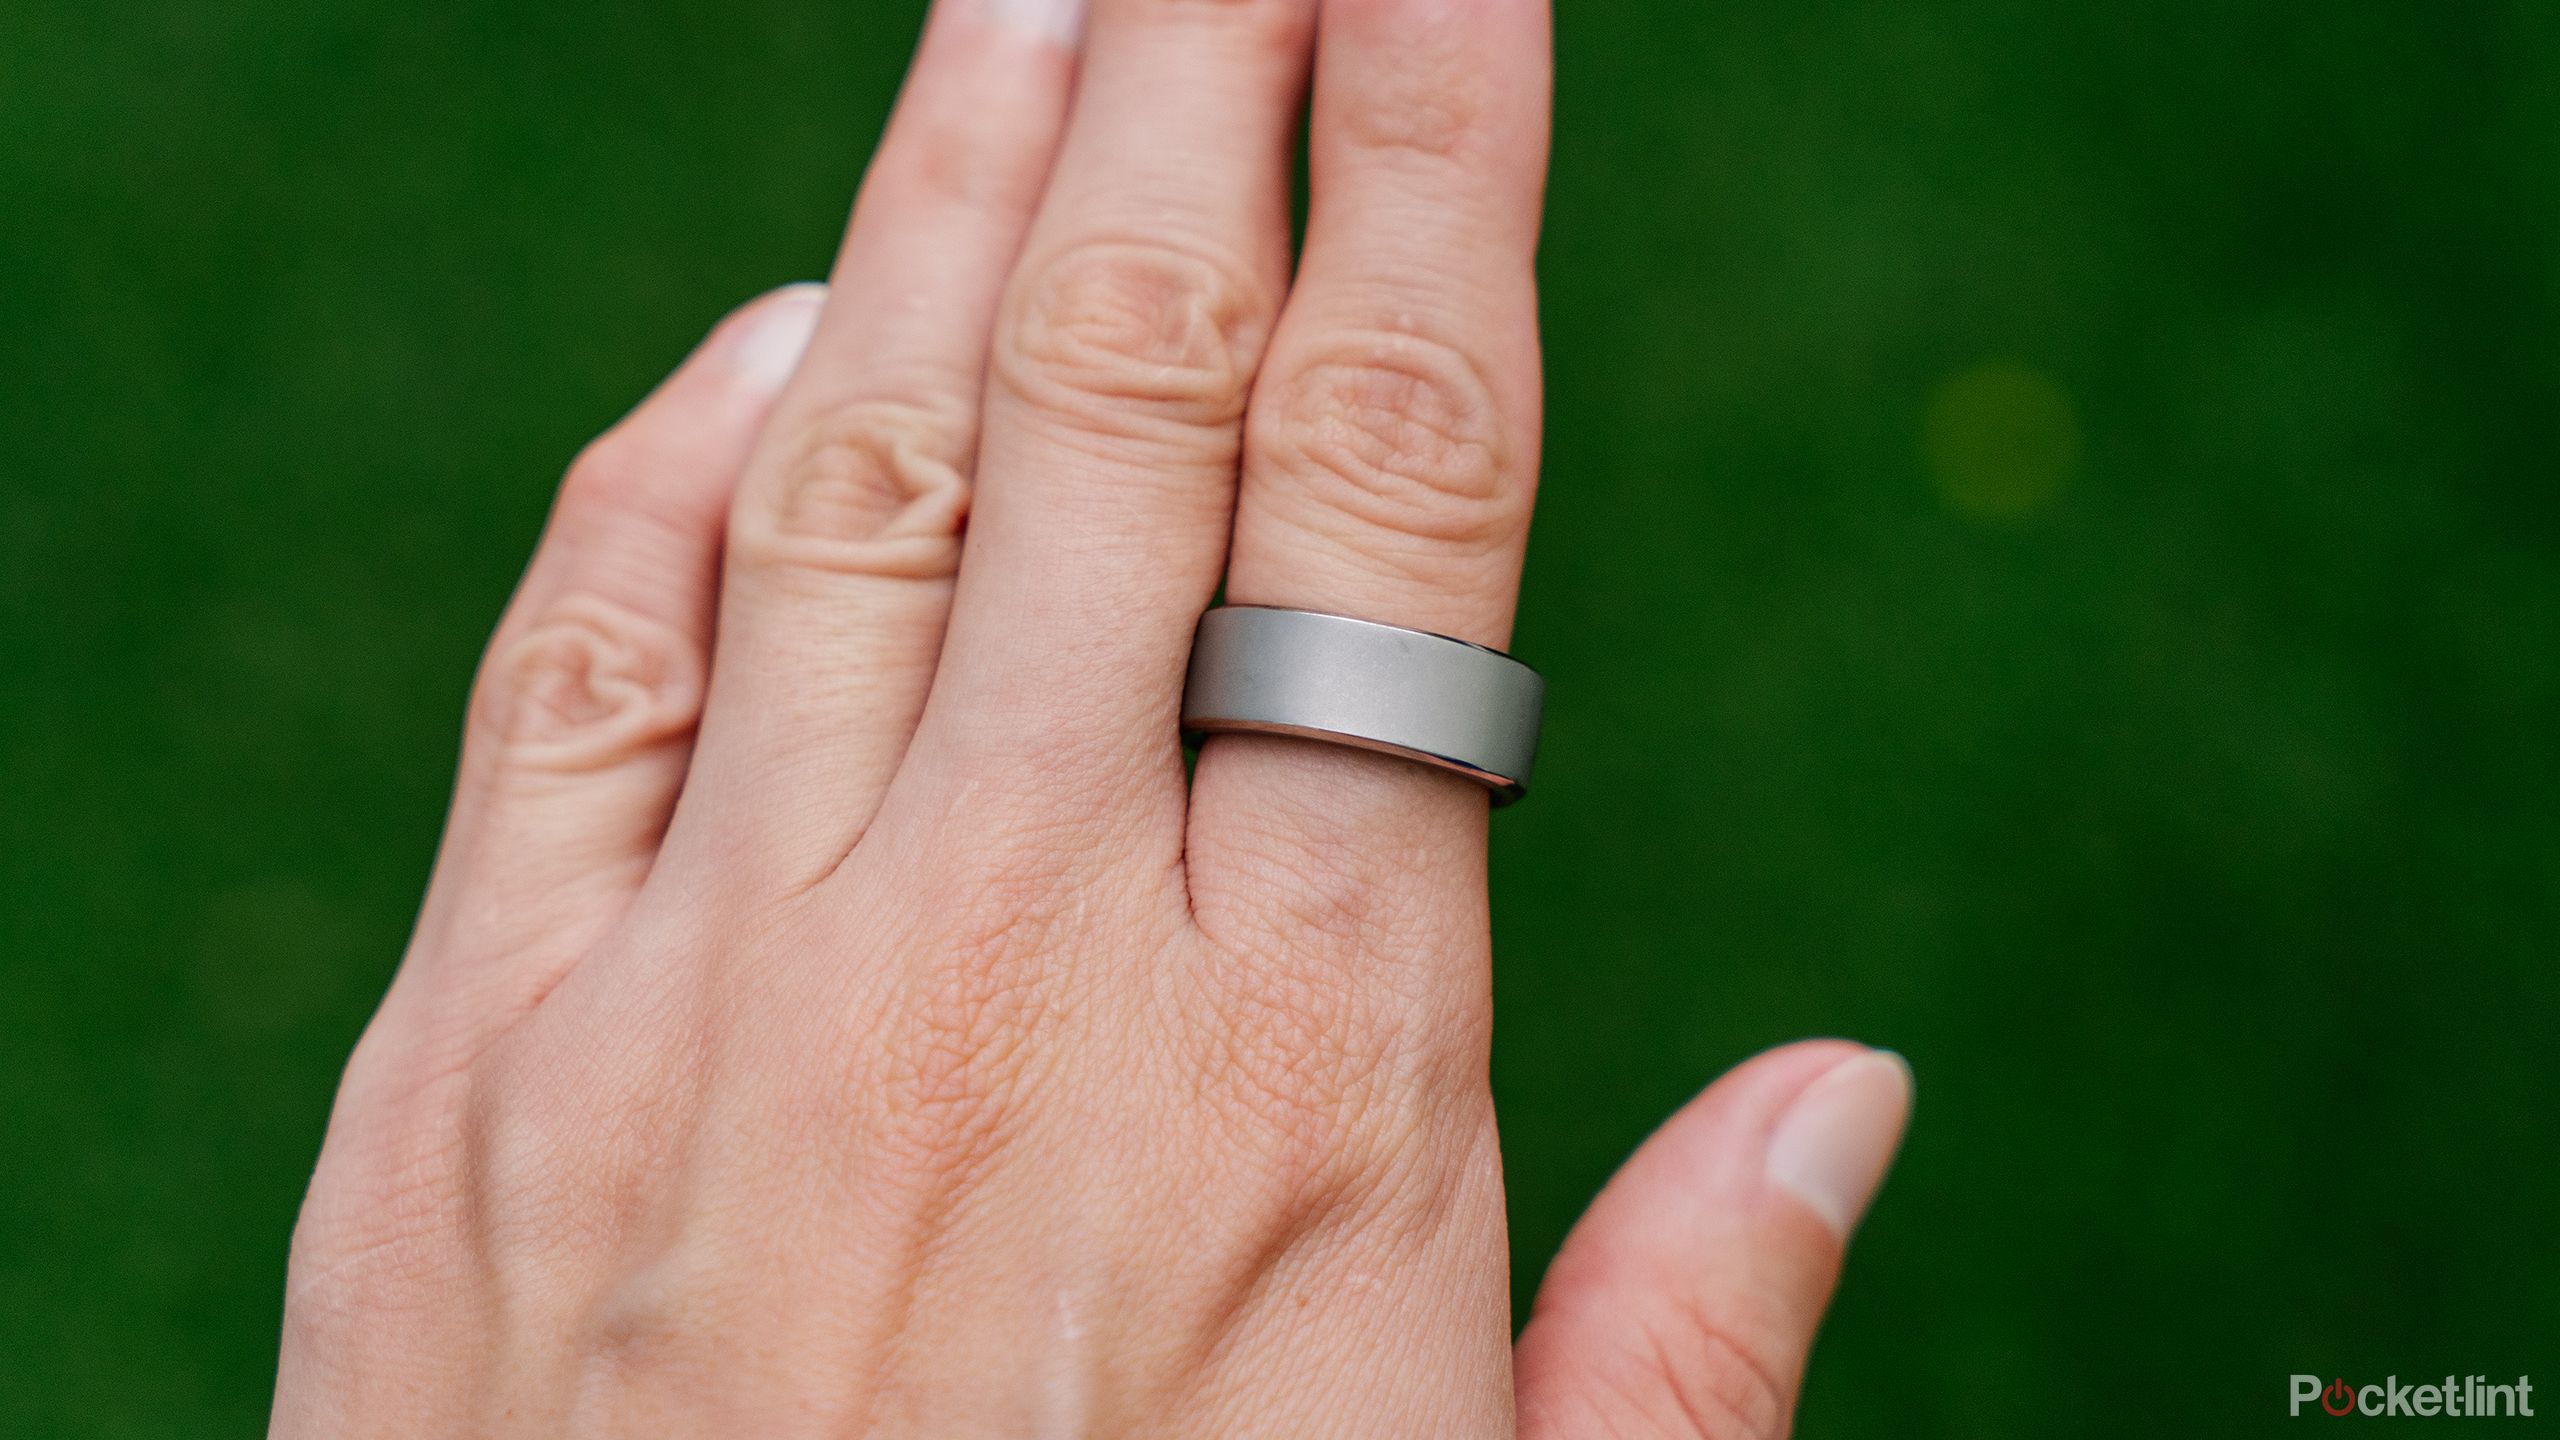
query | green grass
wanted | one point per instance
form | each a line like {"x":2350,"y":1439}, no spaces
{"x":2050,"y":561}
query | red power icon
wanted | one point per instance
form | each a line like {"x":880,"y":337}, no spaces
{"x":2337,"y":1399}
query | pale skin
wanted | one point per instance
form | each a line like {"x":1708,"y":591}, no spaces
{"x":837,"y":1012}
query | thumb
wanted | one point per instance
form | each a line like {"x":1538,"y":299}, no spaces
{"x":1686,"y":1300}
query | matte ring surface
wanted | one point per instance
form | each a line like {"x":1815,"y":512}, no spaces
{"x":1424,"y":697}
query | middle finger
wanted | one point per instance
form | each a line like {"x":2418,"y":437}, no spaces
{"x":1127,"y":345}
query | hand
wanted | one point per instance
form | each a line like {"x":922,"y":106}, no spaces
{"x":908,"y":1047}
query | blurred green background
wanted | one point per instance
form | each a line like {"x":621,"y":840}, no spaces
{"x":2050,"y":561}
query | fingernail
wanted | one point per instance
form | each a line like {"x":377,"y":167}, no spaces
{"x":1058,"y":20}
{"x":776,"y":336}
{"x":1832,"y":1146}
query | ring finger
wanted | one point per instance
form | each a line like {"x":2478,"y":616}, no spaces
{"x":1391,"y":453}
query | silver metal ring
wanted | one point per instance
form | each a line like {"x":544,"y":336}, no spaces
{"x":1426,"y":697}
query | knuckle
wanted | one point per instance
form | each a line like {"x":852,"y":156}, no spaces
{"x":350,"y":1270}
{"x":950,"y":1072}
{"x":1310,"y":1099}
{"x":1717,"y":1378}
{"x":664,"y":1330}
{"x":1429,"y":112}
{"x":366,"y":1226}
{"x":968,"y":158}
{"x":1325,"y":1078}
{"x":585,"y":683}
{"x":1274,"y":29}
{"x":561,"y":1148}
{"x":1319,"y":1142}
{"x":625,"y":476}
{"x":606,"y":475}
{"x":1397,"y":431}
{"x":1106,"y":331}
{"x":379,"y":1232}
{"x":954,"y":1066}
{"x":1279,"y":883}
{"x":872,"y":487}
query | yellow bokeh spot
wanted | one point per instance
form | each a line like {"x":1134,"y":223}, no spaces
{"x":2001,"y":440}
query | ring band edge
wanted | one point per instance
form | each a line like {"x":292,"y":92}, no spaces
{"x":1503,"y":788}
